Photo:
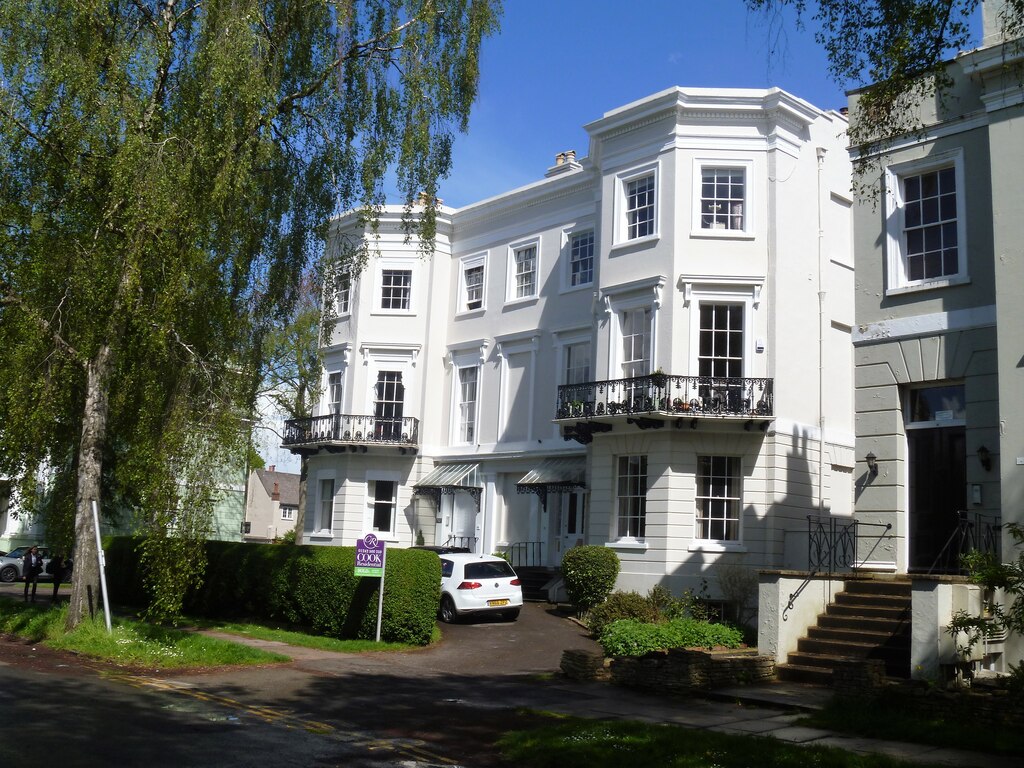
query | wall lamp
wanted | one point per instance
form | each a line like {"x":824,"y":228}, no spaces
{"x":985,"y":458}
{"x":872,"y":461}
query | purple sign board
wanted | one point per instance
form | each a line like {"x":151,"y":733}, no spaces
{"x":369,"y":556}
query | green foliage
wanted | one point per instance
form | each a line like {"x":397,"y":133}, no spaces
{"x":288,"y":538}
{"x":312,"y":588}
{"x":997,"y":577}
{"x":622,"y":605}
{"x":589,"y":573}
{"x":628,"y":637}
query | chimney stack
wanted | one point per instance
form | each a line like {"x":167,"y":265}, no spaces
{"x":564,"y":161}
{"x":276,"y":495}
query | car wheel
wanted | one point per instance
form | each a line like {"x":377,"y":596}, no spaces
{"x":510,"y":615}
{"x":9,"y":574}
{"x":448,"y":612}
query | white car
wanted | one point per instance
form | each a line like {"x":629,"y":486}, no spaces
{"x":478,"y":584}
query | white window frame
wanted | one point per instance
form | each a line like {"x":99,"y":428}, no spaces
{"x":640,"y":535}
{"x":343,"y":288}
{"x":472,"y":262}
{"x":895,"y":242}
{"x":465,"y":357}
{"x":467,"y":417}
{"x":332,"y":404}
{"x":288,"y":513}
{"x":372,"y":478}
{"x":512,"y":273}
{"x":639,"y":294}
{"x":567,"y":361}
{"x":570,"y":238}
{"x":733,"y":500}
{"x":622,"y":210}
{"x":744,"y":291}
{"x":390,"y":265}
{"x":702,"y":164}
{"x":318,"y":530}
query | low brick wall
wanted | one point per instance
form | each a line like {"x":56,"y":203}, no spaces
{"x":680,"y":671}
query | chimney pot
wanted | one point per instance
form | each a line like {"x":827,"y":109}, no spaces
{"x":272,"y":468}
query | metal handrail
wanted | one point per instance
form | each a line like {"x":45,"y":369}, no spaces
{"x":465,"y":542}
{"x":832,"y":542}
{"x":525,"y":554}
{"x":667,"y":394}
{"x":973,"y":533}
{"x":352,"y":428}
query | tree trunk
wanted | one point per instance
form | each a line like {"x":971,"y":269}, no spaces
{"x":85,"y":580}
{"x":300,"y":515}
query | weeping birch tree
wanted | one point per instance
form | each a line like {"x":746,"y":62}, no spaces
{"x":166,"y":173}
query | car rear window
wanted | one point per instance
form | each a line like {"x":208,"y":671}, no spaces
{"x":489,"y":570}
{"x":446,"y":568}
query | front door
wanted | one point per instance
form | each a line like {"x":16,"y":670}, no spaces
{"x":573,"y":515}
{"x":938,"y":493}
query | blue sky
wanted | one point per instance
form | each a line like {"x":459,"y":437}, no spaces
{"x":558,"y":64}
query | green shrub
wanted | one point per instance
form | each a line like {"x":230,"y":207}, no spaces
{"x":628,"y":637}
{"x":311,"y":588}
{"x":621,"y":605}
{"x":589,"y":573}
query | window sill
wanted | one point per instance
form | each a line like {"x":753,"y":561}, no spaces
{"x":321,"y":536}
{"x":716,"y":546}
{"x":510,"y":303}
{"x":929,"y":285}
{"x":575,"y":288}
{"x":722,"y":234}
{"x":636,"y":242}
{"x":471,"y":312}
{"x":628,"y":545}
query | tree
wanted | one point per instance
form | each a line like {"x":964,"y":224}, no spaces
{"x":898,"y":47}
{"x":166,"y":172}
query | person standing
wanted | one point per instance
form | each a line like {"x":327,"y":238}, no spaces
{"x":32,"y":567}
{"x":59,"y":568}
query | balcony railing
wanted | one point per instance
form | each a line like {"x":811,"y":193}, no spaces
{"x":344,"y":428}
{"x":665,"y":394}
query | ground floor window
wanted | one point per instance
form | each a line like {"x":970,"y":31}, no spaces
{"x":631,"y":496}
{"x":326,"y":512}
{"x":718,"y":498}
{"x":385,"y":497}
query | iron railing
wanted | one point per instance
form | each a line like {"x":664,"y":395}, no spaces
{"x":355,"y":429}
{"x":525,"y":554}
{"x":661,"y":393}
{"x":973,"y":533}
{"x":464,"y":542}
{"x":832,"y":542}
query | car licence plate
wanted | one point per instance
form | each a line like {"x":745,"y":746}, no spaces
{"x":497,"y":602}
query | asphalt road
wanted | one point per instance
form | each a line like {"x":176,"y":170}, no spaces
{"x":439,"y":706}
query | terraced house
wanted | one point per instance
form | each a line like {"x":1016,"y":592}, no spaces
{"x":647,"y":349}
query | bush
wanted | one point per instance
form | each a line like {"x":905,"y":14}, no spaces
{"x":589,"y":573}
{"x":311,"y":588}
{"x":621,"y":605}
{"x":628,"y":637}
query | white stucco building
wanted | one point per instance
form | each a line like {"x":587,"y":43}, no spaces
{"x":648,"y":349}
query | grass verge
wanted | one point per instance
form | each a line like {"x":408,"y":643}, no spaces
{"x":890,"y":716}
{"x":131,"y":642}
{"x":576,"y":743}
{"x":306,"y":641}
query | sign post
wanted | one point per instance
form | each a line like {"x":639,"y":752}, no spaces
{"x":370,"y":561}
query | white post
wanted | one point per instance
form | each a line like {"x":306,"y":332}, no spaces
{"x":99,"y":555}
{"x":380,"y":596}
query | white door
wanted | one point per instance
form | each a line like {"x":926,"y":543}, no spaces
{"x":573,"y":517}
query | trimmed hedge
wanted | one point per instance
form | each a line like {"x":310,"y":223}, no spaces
{"x":589,"y":573}
{"x":311,"y":588}
{"x":627,"y":637}
{"x":622,"y":605}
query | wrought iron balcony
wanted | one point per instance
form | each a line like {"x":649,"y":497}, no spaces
{"x":660,"y":394}
{"x":343,"y":429}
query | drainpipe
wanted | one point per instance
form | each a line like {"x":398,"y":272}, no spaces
{"x":820,"y":151}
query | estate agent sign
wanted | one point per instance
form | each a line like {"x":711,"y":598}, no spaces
{"x":369,"y":556}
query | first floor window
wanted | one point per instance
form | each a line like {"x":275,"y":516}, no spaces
{"x":930,"y":225}
{"x":722,"y":198}
{"x":344,"y":292}
{"x":721,"y":341}
{"x":385,"y":501}
{"x":581,"y":259}
{"x":631,"y":496}
{"x":577,"y":363}
{"x":468,"y":379}
{"x":718,"y":498}
{"x":636,"y":342}
{"x":326,"y":511}
{"x":396,"y":289}
{"x":640,"y":207}
{"x":334,"y":392}
{"x":389,"y":405}
{"x":287,"y":513}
